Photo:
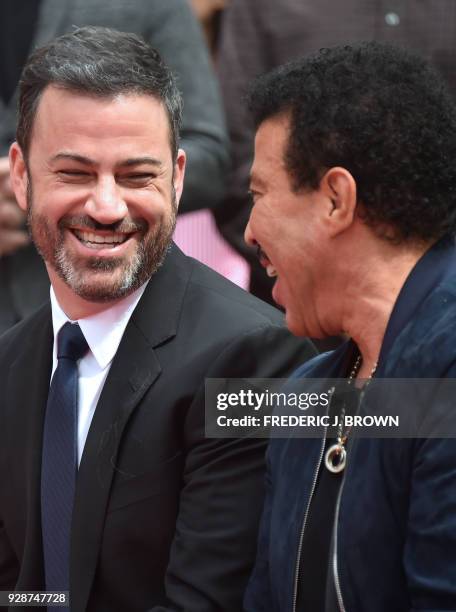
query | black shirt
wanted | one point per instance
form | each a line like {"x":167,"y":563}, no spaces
{"x":316,"y":591}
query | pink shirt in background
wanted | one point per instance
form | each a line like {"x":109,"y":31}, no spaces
{"x":197,"y":235}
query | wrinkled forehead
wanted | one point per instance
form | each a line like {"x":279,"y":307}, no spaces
{"x":78,"y":120}
{"x":61,"y":108}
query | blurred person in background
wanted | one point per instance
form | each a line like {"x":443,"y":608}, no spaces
{"x":209,"y":13}
{"x":168,"y":25}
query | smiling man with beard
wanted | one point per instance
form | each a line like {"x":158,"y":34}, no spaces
{"x":110,"y":489}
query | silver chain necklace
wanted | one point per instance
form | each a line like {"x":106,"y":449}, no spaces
{"x":336,"y":455}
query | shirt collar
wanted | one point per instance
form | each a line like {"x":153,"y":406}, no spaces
{"x":104,"y":330}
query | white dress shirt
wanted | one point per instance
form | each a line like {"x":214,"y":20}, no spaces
{"x":103,"y":333}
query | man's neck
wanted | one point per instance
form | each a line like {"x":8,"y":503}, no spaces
{"x":370,"y":299}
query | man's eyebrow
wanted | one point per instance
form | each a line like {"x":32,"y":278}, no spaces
{"x":137,"y":161}
{"x":126,"y":163}
{"x":81,"y":159}
{"x":255,"y":180}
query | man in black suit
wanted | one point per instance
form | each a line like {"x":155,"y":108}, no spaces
{"x":159,"y":517}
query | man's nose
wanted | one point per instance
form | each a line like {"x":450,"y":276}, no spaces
{"x":248,"y":235}
{"x":106,"y":204}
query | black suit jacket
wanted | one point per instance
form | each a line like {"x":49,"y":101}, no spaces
{"x":164,"y":518}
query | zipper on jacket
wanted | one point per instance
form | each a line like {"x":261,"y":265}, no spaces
{"x":340,"y":599}
{"x":306,"y":514}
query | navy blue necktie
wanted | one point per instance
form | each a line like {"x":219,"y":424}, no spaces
{"x":59,"y":459}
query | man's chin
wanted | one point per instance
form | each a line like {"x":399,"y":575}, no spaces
{"x":296,"y":325}
{"x":100,"y":285}
{"x":104,"y":279}
{"x":102,"y":294}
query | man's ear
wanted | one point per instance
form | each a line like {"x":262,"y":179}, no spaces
{"x":18,"y":175}
{"x":179,"y":173}
{"x":339,"y":187}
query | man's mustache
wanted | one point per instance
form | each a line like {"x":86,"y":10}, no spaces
{"x":124,"y":226}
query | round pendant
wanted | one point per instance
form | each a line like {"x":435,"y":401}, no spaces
{"x":335,"y":458}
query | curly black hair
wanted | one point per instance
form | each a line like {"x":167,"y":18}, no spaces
{"x":386,"y":116}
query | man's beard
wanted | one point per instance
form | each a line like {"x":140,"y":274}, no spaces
{"x":120,"y":276}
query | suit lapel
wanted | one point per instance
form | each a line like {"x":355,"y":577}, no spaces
{"x":26,"y":396}
{"x":134,"y":370}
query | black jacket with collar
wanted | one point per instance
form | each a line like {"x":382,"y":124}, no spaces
{"x":164,"y":518}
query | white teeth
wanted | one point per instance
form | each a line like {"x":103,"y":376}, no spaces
{"x":271,"y":271}
{"x":89,"y":237}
